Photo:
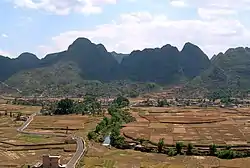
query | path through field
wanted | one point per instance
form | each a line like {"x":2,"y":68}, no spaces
{"x":79,"y":141}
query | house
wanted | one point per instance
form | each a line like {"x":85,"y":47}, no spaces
{"x":50,"y":162}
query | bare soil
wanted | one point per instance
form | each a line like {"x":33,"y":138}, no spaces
{"x":191,"y":125}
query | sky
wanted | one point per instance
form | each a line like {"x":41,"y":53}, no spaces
{"x":47,"y":26}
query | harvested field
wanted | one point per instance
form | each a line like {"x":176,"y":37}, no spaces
{"x":19,"y":149}
{"x":99,"y":156}
{"x":58,"y":124}
{"x":19,"y":108}
{"x":200,"y":126}
{"x":31,"y":156}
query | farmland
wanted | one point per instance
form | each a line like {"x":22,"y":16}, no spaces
{"x":99,"y":156}
{"x":20,"y":149}
{"x":199,"y":126}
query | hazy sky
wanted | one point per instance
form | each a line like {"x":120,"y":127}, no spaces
{"x":44,"y":26}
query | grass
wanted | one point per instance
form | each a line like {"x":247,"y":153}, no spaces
{"x":80,"y":164}
{"x":32,"y":138}
{"x":109,"y":163}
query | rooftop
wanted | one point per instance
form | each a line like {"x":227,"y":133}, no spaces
{"x":50,"y":156}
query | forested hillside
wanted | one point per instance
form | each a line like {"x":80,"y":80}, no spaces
{"x":86,"y":66}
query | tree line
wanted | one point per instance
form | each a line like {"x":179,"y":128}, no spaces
{"x":90,"y":105}
{"x":110,"y":126}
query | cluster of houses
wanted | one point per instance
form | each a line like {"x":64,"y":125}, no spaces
{"x":235,"y":103}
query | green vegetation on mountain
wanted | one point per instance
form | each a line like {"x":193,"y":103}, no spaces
{"x":9,"y":66}
{"x":228,"y":71}
{"x":160,"y":65}
{"x":193,"y":60}
{"x":64,"y":79}
{"x":88,"y":67}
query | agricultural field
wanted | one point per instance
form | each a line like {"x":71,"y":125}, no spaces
{"x":99,"y":156}
{"x":196,"y":125}
{"x":202,"y":126}
{"x":19,"y":149}
{"x":71,"y":124}
{"x":26,"y":110}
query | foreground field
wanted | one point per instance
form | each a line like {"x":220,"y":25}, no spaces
{"x":191,"y":125}
{"x":196,"y":125}
{"x":99,"y":156}
{"x":19,"y":149}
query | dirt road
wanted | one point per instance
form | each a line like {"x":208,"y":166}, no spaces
{"x":79,"y":141}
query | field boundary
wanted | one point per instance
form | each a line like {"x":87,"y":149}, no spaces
{"x":81,"y":147}
{"x":41,"y":144}
{"x":196,"y":145}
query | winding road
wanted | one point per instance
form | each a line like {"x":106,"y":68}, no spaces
{"x":79,"y":141}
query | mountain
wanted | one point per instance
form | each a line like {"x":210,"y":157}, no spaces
{"x":85,"y":62}
{"x":160,"y":65}
{"x":9,"y":66}
{"x":165,"y":65}
{"x":93,"y":60}
{"x":118,"y":56}
{"x":63,"y":79}
{"x":229,"y":70}
{"x":193,"y":60}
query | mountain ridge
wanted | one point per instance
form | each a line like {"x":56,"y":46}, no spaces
{"x":165,"y":65}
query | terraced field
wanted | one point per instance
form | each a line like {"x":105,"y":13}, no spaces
{"x":198,"y":126}
{"x":99,"y":156}
{"x":17,"y":149}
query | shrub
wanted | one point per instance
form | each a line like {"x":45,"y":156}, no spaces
{"x":121,"y":101}
{"x":212,"y":149}
{"x":160,"y":145}
{"x":190,"y":148}
{"x":179,"y":146}
{"x":171,"y":152}
{"x":228,"y":147}
{"x":226,"y":154}
{"x":92,"y":135}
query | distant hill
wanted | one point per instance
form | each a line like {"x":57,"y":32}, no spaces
{"x":63,"y":78}
{"x":119,"y":56}
{"x":85,"y":62}
{"x":229,"y":70}
{"x":165,"y":65}
{"x":9,"y":66}
{"x":193,"y":60}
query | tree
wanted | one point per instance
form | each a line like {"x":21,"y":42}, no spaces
{"x":190,"y":149}
{"x":133,"y":94}
{"x":18,"y":117}
{"x":160,"y":145}
{"x":65,"y":106}
{"x":212,"y":149}
{"x":179,"y":146}
{"x":92,"y":135}
{"x":106,"y":121}
{"x":160,"y":103}
{"x":91,"y":105}
{"x":227,"y":154}
{"x":171,"y":152}
{"x":116,"y":139}
{"x":121,"y":101}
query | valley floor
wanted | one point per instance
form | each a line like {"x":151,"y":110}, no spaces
{"x":99,"y":156}
{"x":14,"y":151}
